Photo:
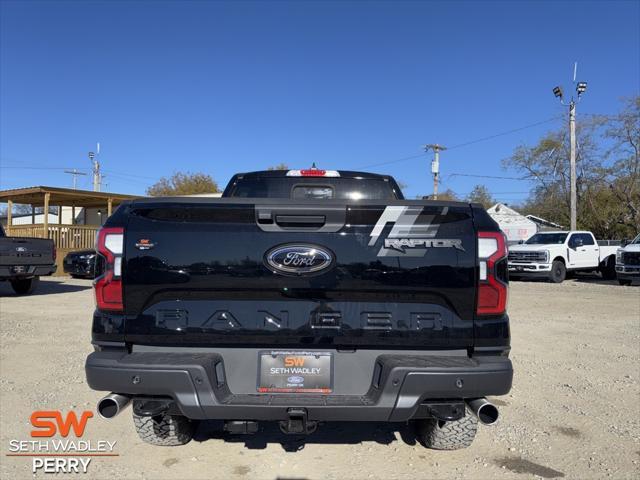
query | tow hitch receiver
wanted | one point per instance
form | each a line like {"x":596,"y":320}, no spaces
{"x":297,"y":423}
{"x":445,"y":411}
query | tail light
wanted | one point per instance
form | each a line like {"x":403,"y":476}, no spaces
{"x":492,"y":284}
{"x":108,"y":286}
{"x":313,"y":172}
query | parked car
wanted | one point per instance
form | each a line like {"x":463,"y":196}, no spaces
{"x":265,"y":305}
{"x":80,"y":264}
{"x":24,"y":260}
{"x":628,"y":262}
{"x":552,"y":254}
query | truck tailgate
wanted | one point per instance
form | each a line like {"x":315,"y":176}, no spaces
{"x":25,"y":252}
{"x":273,"y":273}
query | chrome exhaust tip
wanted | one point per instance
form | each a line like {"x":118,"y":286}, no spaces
{"x":111,"y":405}
{"x":486,"y":411}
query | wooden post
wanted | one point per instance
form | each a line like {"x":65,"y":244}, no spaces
{"x":109,"y":206}
{"x":46,"y":215}
{"x":73,"y":230}
{"x":9,"y":213}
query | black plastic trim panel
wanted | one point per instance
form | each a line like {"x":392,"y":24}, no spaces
{"x":405,"y":381}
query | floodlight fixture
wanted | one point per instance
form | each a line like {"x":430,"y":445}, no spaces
{"x":581,"y":87}
{"x":557,"y":91}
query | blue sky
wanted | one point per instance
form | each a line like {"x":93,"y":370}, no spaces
{"x":224,"y":87}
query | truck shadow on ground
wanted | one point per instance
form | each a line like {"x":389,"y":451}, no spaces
{"x":592,"y":278}
{"x":44,"y":288}
{"x":327,"y":433}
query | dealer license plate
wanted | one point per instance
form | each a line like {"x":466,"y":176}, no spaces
{"x":295,"y":372}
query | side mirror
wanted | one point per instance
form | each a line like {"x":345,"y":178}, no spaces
{"x":520,"y":242}
{"x":625,"y":242}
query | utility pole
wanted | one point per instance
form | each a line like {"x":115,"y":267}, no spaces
{"x":581,"y":87}
{"x":572,"y":162}
{"x":75,"y":174}
{"x":435,"y":165}
{"x":96,"y":171}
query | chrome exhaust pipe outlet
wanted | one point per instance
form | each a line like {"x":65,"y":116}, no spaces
{"x":112,"y":405}
{"x":486,"y":411}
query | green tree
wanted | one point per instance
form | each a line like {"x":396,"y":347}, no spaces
{"x":183,"y":183}
{"x":279,"y":166}
{"x":608,"y":174}
{"x":480,"y":194}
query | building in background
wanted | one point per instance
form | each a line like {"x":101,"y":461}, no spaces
{"x":73,"y":219}
{"x":515,"y":226}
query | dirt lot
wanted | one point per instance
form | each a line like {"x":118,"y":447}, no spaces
{"x":573,"y":412}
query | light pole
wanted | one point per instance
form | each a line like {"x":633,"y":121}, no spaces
{"x":435,"y":165}
{"x":581,"y":87}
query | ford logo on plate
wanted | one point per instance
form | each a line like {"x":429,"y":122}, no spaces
{"x":299,"y":259}
{"x":295,"y":379}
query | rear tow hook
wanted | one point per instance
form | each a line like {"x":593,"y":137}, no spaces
{"x":297,"y":423}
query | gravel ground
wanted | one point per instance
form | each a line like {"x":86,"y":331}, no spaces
{"x":573,"y":412}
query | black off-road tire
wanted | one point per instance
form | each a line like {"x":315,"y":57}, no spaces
{"x":624,"y":281}
{"x":558,"y":272}
{"x":440,"y":435}
{"x":164,"y":430}
{"x":25,"y":286}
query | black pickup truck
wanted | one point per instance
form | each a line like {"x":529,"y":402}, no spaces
{"x":301,"y":296}
{"x":24,"y":260}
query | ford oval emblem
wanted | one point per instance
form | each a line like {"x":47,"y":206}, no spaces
{"x":299,"y":259}
{"x":295,"y":379}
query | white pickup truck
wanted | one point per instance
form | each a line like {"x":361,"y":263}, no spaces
{"x":628,"y":262}
{"x":552,"y":254}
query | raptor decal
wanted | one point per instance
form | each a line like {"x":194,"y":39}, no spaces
{"x":407,"y":237}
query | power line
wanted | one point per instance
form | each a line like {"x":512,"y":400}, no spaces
{"x":471,"y":142}
{"x":33,"y":167}
{"x":486,"y":176}
{"x":129,"y":175}
{"x":496,"y":193}
{"x":392,"y":161}
{"x":39,"y":168}
{"x":508,"y":132}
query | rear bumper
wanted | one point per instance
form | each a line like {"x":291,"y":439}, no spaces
{"x":28,"y":271}
{"x":197,"y":382}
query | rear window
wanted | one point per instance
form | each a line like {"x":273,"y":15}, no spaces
{"x":315,"y":188}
